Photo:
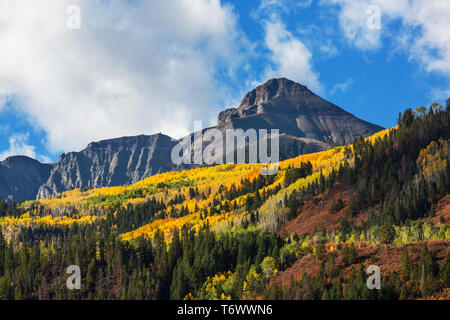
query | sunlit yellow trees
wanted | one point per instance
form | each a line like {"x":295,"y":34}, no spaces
{"x":196,"y":197}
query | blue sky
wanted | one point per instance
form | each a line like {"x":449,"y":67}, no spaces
{"x":142,"y":67}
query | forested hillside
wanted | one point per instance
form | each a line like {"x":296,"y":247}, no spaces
{"x":228,"y":232}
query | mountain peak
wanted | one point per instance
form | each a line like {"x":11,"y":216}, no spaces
{"x":276,"y":88}
{"x":15,"y":160}
{"x":21,"y":176}
{"x":304,"y":120}
{"x":280,"y":83}
{"x":296,"y":111}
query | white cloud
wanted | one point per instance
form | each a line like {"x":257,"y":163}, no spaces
{"x":439,"y":95}
{"x":134,"y":66}
{"x":5,"y":98}
{"x":284,"y":5}
{"x":328,"y":48}
{"x":353,"y":22}
{"x":318,"y":39}
{"x":18,"y":146}
{"x":423,"y":33}
{"x":342,"y":87}
{"x":44,"y":159}
{"x":290,"y":56}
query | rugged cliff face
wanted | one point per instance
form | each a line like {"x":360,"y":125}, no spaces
{"x":112,"y":162}
{"x":296,"y":111}
{"x":21,"y":177}
{"x":307,"y":123}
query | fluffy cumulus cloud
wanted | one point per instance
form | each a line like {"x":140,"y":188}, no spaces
{"x":353,"y":18}
{"x":422,"y":32}
{"x":290,"y":57}
{"x":133,"y":67}
{"x":19,"y":146}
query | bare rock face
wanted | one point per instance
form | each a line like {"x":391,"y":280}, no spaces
{"x":20,"y":177}
{"x":307,"y":123}
{"x":296,"y":111}
{"x":114,"y":162}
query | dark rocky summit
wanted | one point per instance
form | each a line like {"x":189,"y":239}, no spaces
{"x":296,"y":111}
{"x":21,"y":177}
{"x":307,"y":123}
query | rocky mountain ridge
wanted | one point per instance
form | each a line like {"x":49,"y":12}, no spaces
{"x":307,"y":123}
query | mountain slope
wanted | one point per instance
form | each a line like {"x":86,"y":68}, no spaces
{"x":112,"y":162}
{"x":307,"y":124}
{"x":20,"y":177}
{"x":229,"y":232}
{"x":296,"y":111}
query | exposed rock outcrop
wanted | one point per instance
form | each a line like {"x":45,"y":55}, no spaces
{"x":296,"y":111}
{"x":307,"y":123}
{"x":114,"y":162}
